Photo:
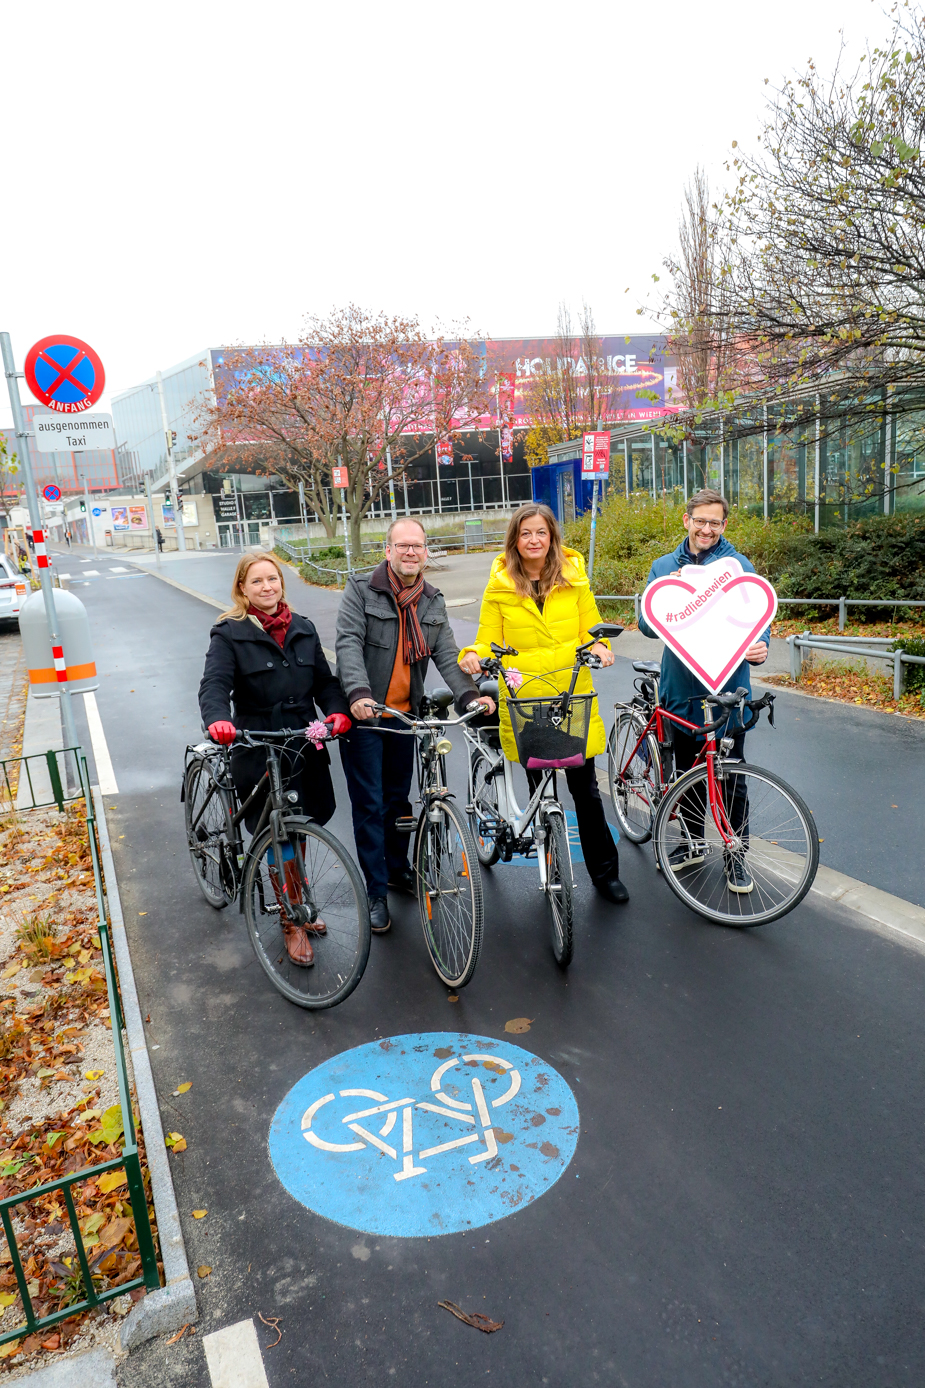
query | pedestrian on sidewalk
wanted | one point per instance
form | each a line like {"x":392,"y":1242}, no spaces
{"x":391,"y":622}
{"x":539,"y":601}
{"x":267,"y":661}
{"x":680,"y":691}
{"x":159,"y":537}
{"x":67,"y":538}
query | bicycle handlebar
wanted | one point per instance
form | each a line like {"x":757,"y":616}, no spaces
{"x":244,"y":737}
{"x":419,"y":725}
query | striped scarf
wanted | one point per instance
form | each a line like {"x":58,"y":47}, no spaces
{"x":414,"y":647}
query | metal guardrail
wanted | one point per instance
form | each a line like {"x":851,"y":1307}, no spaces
{"x":866,"y":646}
{"x":461,"y":541}
{"x":129,"y":1161}
{"x":842,"y":603}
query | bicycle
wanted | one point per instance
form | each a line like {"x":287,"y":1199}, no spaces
{"x":448,"y":883}
{"x":319,"y":880}
{"x":733,"y":841}
{"x":551,"y":732}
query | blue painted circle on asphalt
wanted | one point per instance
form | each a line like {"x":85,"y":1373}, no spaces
{"x":426,"y":1134}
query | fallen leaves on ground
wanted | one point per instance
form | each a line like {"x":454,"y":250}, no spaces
{"x":273,"y":1323}
{"x":176,"y":1142}
{"x":203,"y":1271}
{"x":473,"y":1318}
{"x":56,"y":992}
{"x":518,"y":1025}
{"x":200,"y":1214}
{"x":182,"y":1088}
{"x":853,"y":686}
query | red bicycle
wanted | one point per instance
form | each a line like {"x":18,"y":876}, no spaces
{"x":733,"y":841}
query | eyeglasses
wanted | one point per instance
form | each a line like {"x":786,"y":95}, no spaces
{"x":410,"y":549}
{"x":707,"y":525}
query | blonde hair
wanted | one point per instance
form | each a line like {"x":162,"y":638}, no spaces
{"x":239,"y":604}
{"x":552,"y":575}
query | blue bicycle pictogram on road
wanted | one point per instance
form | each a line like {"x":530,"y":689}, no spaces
{"x":424,"y":1134}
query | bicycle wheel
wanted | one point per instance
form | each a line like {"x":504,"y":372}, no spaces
{"x":327,"y":878}
{"x":484,"y":801}
{"x":558,"y":886}
{"x":449,"y":892}
{"x":772,"y":860}
{"x":635,"y":787}
{"x":209,"y":833}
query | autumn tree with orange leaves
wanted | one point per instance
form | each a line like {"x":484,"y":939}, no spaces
{"x":355,"y":385}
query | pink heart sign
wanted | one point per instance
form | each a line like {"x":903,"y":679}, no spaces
{"x":709,"y":615}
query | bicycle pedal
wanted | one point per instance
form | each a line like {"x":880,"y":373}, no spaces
{"x":405,"y":824}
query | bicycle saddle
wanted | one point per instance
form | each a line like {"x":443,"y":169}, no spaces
{"x":441,"y":697}
{"x":647,"y":667}
{"x":489,"y":687}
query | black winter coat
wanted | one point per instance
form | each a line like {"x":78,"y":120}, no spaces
{"x":272,"y":689}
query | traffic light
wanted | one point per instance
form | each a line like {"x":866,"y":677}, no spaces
{"x":83,"y":506}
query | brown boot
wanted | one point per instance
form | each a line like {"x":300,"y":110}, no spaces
{"x":298,"y":946}
{"x":294,"y":890}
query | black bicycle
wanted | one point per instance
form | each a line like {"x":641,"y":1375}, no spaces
{"x":292,"y":872}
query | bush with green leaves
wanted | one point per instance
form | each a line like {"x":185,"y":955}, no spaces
{"x":880,"y":557}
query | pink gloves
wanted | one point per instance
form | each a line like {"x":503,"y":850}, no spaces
{"x":222,"y":732}
{"x":340,"y":724}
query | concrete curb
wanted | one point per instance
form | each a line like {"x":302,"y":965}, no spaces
{"x":839,"y":703}
{"x":95,"y":1367}
{"x":174,"y":1304}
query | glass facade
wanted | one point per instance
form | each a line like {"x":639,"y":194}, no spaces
{"x":139,"y":424}
{"x":832,"y":459}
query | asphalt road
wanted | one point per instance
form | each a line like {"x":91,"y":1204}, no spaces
{"x":744,"y":1205}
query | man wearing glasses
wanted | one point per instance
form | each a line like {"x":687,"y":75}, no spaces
{"x":391,"y":622}
{"x":679,"y":690}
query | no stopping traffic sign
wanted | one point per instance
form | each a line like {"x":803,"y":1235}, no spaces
{"x":64,"y":373}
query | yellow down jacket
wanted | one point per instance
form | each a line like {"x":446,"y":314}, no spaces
{"x":545,"y":641}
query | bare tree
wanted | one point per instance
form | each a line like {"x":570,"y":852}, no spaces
{"x":573,"y":390}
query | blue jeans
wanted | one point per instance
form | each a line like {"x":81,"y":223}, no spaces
{"x":378,"y":768}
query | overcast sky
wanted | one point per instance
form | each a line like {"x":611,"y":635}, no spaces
{"x":188,"y":175}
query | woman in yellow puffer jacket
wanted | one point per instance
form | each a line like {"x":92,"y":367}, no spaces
{"x":539,"y":601}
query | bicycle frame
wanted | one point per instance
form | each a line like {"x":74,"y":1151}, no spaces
{"x":656,"y":722}
{"x":274,"y":810}
{"x":518,"y":820}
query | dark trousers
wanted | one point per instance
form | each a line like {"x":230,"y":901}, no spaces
{"x":597,"y":845}
{"x":378,"y":767}
{"x":733,"y":790}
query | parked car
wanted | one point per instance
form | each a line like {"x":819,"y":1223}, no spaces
{"x":14,"y":589}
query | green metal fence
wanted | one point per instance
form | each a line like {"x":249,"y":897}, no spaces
{"x":129,"y":1162}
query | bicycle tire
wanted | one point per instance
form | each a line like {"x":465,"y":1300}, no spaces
{"x":208,"y":806}
{"x":449,"y":887}
{"x":634,"y":799}
{"x":333,"y":881}
{"x":780,"y":854}
{"x":558,"y":889}
{"x":484,"y":799}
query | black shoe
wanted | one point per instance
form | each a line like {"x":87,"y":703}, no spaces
{"x":613,"y":889}
{"x":737,"y":877}
{"x":403,"y":881}
{"x":682,"y":856}
{"x":379,"y":921}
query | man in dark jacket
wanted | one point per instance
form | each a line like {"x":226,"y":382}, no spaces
{"x":390,"y":623}
{"x":680,"y":691}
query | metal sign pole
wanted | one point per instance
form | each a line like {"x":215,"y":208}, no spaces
{"x":171,"y":469}
{"x":91,"y":528}
{"x":38,"y":540}
{"x":593,"y":528}
{"x":157,"y":548}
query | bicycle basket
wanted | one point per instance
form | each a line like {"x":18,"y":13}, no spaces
{"x":551,"y":733}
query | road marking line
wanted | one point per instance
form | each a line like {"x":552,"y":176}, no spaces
{"x":106,"y":777}
{"x":91,"y":571}
{"x":118,"y":570}
{"x":234,"y":1358}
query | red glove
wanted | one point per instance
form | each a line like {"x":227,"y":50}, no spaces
{"x":340,"y":724}
{"x":224,"y":733}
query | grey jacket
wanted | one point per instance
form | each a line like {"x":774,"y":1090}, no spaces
{"x":367,"y":638}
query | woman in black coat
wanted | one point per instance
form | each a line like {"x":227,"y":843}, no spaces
{"x":268,"y":662}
